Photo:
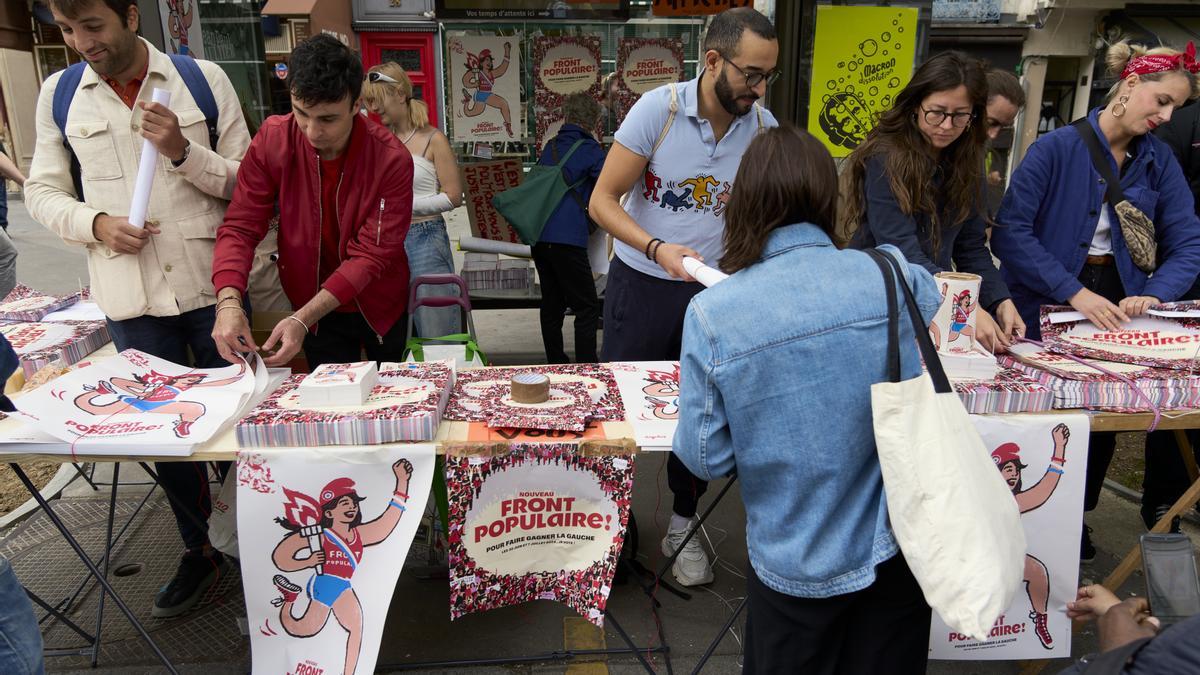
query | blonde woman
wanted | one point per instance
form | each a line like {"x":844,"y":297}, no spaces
{"x":1059,"y":239}
{"x":437,"y":188}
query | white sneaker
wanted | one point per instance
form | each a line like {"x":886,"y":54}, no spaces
{"x":691,"y":568}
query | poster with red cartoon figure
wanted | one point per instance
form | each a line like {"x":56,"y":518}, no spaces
{"x":533,"y":521}
{"x":142,"y":403}
{"x":181,"y":26}
{"x":323,"y":539}
{"x":650,"y":390}
{"x":486,"y":71}
{"x":1043,"y":458}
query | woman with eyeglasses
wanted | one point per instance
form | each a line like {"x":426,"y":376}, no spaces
{"x":437,"y":188}
{"x":1061,"y":243}
{"x":917,"y":183}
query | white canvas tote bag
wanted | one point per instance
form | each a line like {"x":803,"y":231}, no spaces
{"x":954,"y":517}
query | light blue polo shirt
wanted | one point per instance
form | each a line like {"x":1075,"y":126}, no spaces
{"x":681,"y":198}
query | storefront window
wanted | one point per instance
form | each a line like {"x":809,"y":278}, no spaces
{"x":233,"y":39}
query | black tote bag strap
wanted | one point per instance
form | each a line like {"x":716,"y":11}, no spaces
{"x":933,"y":364}
{"x":889,"y":287}
{"x":1113,"y":184}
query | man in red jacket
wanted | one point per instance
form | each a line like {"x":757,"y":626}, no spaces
{"x":343,"y":185}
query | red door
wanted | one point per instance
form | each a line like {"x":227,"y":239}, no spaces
{"x":414,"y":53}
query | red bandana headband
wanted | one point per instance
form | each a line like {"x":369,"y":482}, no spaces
{"x":1158,"y":63}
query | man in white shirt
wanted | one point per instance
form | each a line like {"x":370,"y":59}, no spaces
{"x":153,"y":283}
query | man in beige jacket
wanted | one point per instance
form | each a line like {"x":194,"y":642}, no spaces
{"x":153,"y":283}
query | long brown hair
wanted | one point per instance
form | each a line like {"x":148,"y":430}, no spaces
{"x":910,"y":165}
{"x":786,"y":176}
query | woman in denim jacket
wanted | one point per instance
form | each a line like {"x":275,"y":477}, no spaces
{"x":776,"y":369}
{"x":1060,"y":242}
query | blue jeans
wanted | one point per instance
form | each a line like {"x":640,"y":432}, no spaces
{"x":169,"y":337}
{"x":20,"y":639}
{"x":428,"y":250}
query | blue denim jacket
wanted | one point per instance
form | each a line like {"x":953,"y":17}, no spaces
{"x":775,"y":378}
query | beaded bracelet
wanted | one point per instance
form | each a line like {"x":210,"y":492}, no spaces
{"x":654,"y":253}
{"x":649,"y":244}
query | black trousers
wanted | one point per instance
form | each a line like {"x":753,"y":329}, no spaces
{"x":566,"y":277}
{"x":883,"y":628}
{"x":1105,"y":281}
{"x":643,"y":321}
{"x":341,"y":337}
{"x":1166,"y":476}
{"x":175,"y":338}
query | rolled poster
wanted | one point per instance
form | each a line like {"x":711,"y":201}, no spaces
{"x":479,"y":245}
{"x":703,"y":273}
{"x":953,"y":327}
{"x":145,"y":175}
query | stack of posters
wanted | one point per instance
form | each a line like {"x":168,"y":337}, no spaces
{"x":1162,"y":339}
{"x":26,"y":304}
{"x":41,"y":343}
{"x":1010,"y":391}
{"x":650,"y":390}
{"x":1085,"y":385}
{"x":137,"y":404}
{"x":579,"y":393}
{"x":405,"y":405}
{"x":538,"y":522}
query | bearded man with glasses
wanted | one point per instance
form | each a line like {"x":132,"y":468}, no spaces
{"x":676,"y":154}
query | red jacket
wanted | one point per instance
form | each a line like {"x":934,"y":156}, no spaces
{"x":374,"y":210}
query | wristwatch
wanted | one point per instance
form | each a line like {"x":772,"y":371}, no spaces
{"x":187,"y":150}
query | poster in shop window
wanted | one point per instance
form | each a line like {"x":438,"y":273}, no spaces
{"x":181,"y":27}
{"x":695,"y":7}
{"x":323,"y":537}
{"x":481,"y":182}
{"x":1043,"y":458}
{"x":536,"y":522}
{"x":485,"y":87}
{"x":862,"y":58}
{"x":644,"y":64}
{"x":563,"y":65}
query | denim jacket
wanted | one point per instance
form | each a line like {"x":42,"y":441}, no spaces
{"x":775,"y":384}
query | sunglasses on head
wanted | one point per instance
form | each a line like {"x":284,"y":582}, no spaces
{"x":376,"y":76}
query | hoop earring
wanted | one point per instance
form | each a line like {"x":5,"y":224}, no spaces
{"x":1120,"y":102}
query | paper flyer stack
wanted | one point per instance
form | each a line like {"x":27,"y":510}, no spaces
{"x":489,"y":272}
{"x":1080,"y":385}
{"x":26,"y":304}
{"x":405,"y":405}
{"x":136,"y":404}
{"x":41,"y":343}
{"x":579,"y":393}
{"x":1167,"y":337}
{"x":1010,"y":391}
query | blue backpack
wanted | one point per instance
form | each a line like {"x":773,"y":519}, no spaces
{"x":192,"y":77}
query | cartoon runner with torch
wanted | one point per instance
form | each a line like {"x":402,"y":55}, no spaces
{"x":330,"y":538}
{"x":1037,"y":579}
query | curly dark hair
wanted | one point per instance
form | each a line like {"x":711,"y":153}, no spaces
{"x":323,"y":70}
{"x":73,"y":8}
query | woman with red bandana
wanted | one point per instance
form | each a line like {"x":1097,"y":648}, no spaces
{"x":1059,"y":237}
{"x":1037,"y":579}
{"x":344,"y":535}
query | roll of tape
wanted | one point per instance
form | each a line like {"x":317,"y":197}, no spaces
{"x":530,"y":388}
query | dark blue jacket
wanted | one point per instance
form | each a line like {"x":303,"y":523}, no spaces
{"x":964,"y":244}
{"x":568,"y":223}
{"x":1049,"y":216}
{"x":8,"y":365}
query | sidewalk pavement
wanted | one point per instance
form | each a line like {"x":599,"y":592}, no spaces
{"x":418,"y":628}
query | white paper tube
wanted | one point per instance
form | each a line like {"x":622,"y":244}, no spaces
{"x":145,"y":176}
{"x":953,"y":328}
{"x":703,"y":273}
{"x":313,"y":534}
{"x":479,"y":245}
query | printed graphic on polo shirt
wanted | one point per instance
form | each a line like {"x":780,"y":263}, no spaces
{"x":704,"y":193}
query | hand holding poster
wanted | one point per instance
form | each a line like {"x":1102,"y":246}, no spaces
{"x":1044,"y":459}
{"x":323,"y":539}
{"x":536,"y":522}
{"x":862,"y":58}
{"x":486,"y":69}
